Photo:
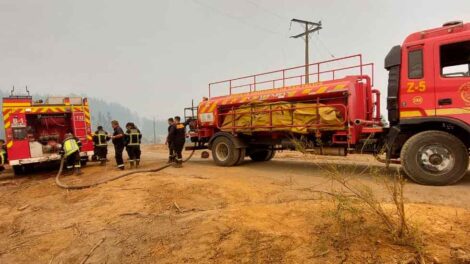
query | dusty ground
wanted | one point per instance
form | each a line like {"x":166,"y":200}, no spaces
{"x":255,"y":213}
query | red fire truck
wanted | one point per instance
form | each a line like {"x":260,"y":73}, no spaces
{"x":35,"y":129}
{"x":428,"y":106}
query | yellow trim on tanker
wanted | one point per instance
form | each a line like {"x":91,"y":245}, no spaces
{"x":453,"y":111}
{"x":408,"y":114}
{"x":321,"y":89}
{"x":435,"y":112}
{"x":16,"y":104}
{"x":212,"y":107}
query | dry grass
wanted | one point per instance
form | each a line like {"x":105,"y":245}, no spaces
{"x":359,"y":212}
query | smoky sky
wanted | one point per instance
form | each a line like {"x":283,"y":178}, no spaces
{"x":156,"y":56}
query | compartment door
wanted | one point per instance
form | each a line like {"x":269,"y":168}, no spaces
{"x":79,"y":125}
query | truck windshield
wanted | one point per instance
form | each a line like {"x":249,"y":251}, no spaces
{"x":455,"y":59}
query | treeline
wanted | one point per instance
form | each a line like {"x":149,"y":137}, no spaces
{"x":103,"y":112}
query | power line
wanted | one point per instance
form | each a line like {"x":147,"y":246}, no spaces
{"x":154,"y":131}
{"x":220,"y":12}
{"x":325,"y":46}
{"x":266,"y":10}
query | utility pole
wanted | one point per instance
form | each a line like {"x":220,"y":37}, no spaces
{"x":310,"y":27}
{"x":154,"y":132}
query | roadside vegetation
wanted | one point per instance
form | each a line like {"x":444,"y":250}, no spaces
{"x":358,"y":213}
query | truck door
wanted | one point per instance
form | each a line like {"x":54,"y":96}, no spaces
{"x":417,"y":82}
{"x":79,"y":126}
{"x":17,"y":137}
{"x":452,"y":78}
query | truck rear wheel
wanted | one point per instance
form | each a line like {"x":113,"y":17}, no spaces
{"x":19,"y":169}
{"x":434,"y":158}
{"x":224,"y":152}
{"x":242,"y":156}
{"x":262,"y":155}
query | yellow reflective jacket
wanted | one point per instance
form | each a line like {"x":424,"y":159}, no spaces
{"x":2,"y":157}
{"x":100,"y":138}
{"x":70,"y":146}
{"x":133,"y":137}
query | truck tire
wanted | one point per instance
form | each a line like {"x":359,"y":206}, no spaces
{"x":242,"y":156}
{"x":18,"y":169}
{"x":224,"y":152}
{"x":261,"y":155}
{"x":273,"y":153}
{"x":434,"y":158}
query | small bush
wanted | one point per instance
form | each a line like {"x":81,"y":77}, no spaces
{"x":355,"y":202}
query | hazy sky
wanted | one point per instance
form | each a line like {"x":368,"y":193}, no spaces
{"x":155,"y":56}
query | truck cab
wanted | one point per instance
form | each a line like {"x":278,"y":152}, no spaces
{"x":429,"y":101}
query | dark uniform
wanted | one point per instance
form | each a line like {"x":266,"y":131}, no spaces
{"x":119,"y":144}
{"x":177,"y":136}
{"x":171,"y":153}
{"x":133,"y":139}
{"x":71,"y":150}
{"x":100,"y":141}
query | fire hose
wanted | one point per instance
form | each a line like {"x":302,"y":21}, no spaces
{"x":84,"y":186}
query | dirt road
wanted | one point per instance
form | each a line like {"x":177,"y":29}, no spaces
{"x":254,"y":213}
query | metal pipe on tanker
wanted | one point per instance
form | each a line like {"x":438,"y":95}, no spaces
{"x":327,"y":151}
{"x":332,"y":151}
{"x":366,"y":122}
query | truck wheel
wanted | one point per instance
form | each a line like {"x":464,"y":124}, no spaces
{"x":262,"y":155}
{"x":224,"y":152}
{"x":20,"y":169}
{"x":242,"y":156}
{"x":273,"y":153}
{"x":434,"y":158}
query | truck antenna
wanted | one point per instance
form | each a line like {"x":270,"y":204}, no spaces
{"x":27,"y":90}
{"x":12,"y":91}
{"x":310,"y":27}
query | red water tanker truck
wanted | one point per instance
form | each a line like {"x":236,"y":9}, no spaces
{"x":428,"y":103}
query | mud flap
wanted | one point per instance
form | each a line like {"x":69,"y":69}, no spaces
{"x":389,"y":141}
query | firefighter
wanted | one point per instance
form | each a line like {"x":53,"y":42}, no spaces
{"x":138,"y":151}
{"x":177,"y":136}
{"x":133,"y":139}
{"x":100,"y":141}
{"x":171,"y":154}
{"x":119,"y":143}
{"x":3,"y":155}
{"x":71,"y":152}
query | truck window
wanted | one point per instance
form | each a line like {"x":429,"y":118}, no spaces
{"x":455,"y":59}
{"x":415,"y":64}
